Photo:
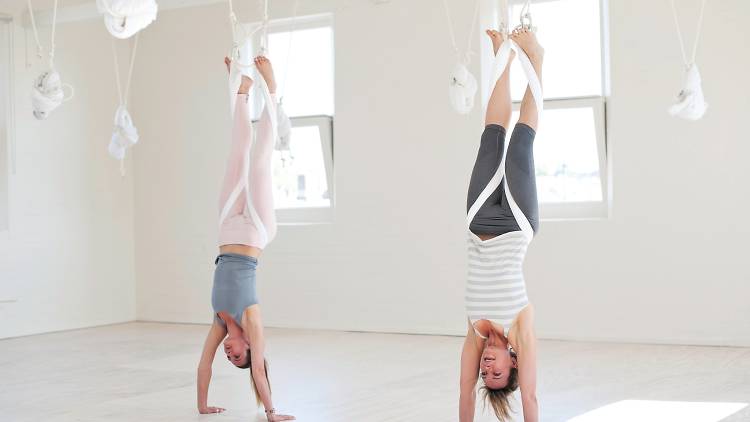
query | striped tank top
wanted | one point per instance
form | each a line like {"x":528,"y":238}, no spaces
{"x":495,"y":288}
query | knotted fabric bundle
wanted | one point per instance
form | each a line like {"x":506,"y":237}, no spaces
{"x":690,"y":104}
{"x":283,"y":141}
{"x":124,"y":135}
{"x":462,"y":89}
{"x":124,"y":18}
{"x":47,"y":93}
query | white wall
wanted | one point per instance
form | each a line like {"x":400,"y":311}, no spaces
{"x":67,"y":257}
{"x":667,"y":267}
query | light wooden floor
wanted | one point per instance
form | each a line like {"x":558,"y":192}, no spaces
{"x":146,"y":372}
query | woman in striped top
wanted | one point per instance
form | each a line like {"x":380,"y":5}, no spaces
{"x":500,"y":345}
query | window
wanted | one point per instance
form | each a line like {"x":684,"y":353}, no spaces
{"x":301,"y":50}
{"x":571,"y":149}
{"x":6,"y":117}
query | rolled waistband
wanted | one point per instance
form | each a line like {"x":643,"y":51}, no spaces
{"x":235,"y":257}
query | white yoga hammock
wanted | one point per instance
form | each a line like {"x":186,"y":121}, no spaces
{"x":124,"y":18}
{"x":125,"y":134}
{"x":47,"y":92}
{"x":690,"y":103}
{"x":462,"y":85}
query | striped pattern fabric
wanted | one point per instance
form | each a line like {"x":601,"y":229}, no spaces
{"x":495,"y":288}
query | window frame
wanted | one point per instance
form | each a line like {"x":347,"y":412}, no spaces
{"x":314,"y":215}
{"x":7,"y":116}
{"x":580,"y":210}
{"x":307,"y":215}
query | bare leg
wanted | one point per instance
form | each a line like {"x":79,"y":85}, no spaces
{"x":261,"y":179}
{"x":499,"y":107}
{"x":527,"y":41}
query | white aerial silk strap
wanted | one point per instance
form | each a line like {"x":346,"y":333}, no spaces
{"x":123,"y":96}
{"x":691,"y":103}
{"x":501,"y":62}
{"x":236,"y":70}
{"x":48,"y":90}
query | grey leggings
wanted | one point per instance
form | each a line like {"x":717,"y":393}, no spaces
{"x":495,"y":216}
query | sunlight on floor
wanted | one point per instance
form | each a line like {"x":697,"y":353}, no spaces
{"x":651,"y":410}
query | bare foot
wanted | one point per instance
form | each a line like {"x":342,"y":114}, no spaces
{"x":246,"y":82}
{"x":496,"y":38}
{"x":266,"y":71}
{"x":526,"y":39}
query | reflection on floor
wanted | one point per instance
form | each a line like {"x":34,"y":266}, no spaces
{"x":146,"y":372}
{"x":658,"y":411}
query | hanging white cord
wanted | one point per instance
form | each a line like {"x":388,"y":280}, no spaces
{"x":264,"y":38}
{"x":124,"y":96}
{"x":679,"y":33}
{"x":451,"y":32}
{"x":289,"y":49}
{"x":11,"y":98}
{"x":39,"y":48}
{"x":450,"y":26}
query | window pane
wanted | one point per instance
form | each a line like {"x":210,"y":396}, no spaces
{"x":569,"y":30}
{"x":299,"y":175}
{"x":566,"y":157}
{"x":304,"y":70}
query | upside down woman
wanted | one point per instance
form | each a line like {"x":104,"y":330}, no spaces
{"x":500,"y":344}
{"x":248,"y":224}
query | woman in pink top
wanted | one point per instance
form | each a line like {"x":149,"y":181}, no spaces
{"x":247,"y":225}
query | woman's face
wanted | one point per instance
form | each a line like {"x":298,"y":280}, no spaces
{"x":236,"y":350}
{"x":495,"y":365}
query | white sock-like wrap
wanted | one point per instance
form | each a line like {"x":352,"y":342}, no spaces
{"x":124,"y":135}
{"x":462,"y":89}
{"x":124,"y":18}
{"x":690,"y":104}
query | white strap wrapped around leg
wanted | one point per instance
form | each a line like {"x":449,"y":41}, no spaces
{"x":501,"y":63}
{"x":124,"y":18}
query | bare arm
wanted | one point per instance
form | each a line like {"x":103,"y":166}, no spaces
{"x":215,"y":335}
{"x":527,"y":367}
{"x":470,"y":355}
